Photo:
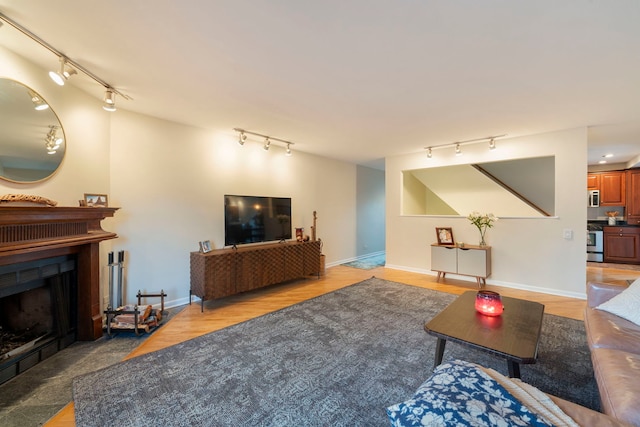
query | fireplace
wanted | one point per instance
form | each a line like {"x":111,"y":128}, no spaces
{"x":49,"y":282}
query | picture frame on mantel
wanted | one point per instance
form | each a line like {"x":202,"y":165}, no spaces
{"x":445,"y":235}
{"x":205,"y":246}
{"x":96,"y":200}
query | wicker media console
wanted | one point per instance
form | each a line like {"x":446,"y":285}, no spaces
{"x":225,"y":272}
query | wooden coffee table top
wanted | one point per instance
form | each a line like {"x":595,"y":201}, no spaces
{"x":514,"y":335}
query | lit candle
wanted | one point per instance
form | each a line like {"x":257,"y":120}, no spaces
{"x":489,"y":303}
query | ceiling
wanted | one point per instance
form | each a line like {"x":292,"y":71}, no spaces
{"x":357,"y":80}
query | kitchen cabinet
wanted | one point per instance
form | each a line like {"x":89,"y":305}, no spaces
{"x":622,"y":244}
{"x":467,"y":261}
{"x":612,"y":186}
{"x":633,"y":196}
{"x":593,"y":181}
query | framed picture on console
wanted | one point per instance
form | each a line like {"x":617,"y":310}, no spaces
{"x":445,"y":235}
{"x":205,"y":246}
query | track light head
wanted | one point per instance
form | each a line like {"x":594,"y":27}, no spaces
{"x":429,"y":153}
{"x":458,"y":150}
{"x":38,"y":103}
{"x":109,"y":100}
{"x":267,"y":144}
{"x":288,"y":149}
{"x":492,"y":144}
{"x":242,"y":138}
{"x":61,"y":76}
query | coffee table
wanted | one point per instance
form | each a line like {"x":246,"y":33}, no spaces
{"x":513,"y":336}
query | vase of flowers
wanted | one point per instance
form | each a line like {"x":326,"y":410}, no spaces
{"x":482,"y":221}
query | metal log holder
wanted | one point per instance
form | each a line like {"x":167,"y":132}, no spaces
{"x":138,"y":326}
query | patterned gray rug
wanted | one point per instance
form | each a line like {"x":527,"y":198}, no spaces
{"x":339,"y":359}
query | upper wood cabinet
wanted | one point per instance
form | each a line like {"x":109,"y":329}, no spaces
{"x":593,"y":181}
{"x":633,"y":196}
{"x":612,"y":186}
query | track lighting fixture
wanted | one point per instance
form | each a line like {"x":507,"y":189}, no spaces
{"x":109,"y":100}
{"x":458,"y":145}
{"x":67,"y":67}
{"x":242,"y":137}
{"x":38,"y":102}
{"x":66,"y":71}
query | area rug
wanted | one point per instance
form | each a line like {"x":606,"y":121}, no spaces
{"x":339,"y":359}
{"x":368,"y":263}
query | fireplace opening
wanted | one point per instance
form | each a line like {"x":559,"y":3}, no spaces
{"x":38,"y":312}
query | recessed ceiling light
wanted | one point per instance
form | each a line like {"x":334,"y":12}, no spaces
{"x":602,"y":161}
{"x":608,"y":155}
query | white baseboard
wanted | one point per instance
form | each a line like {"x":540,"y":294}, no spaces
{"x":521,"y":286}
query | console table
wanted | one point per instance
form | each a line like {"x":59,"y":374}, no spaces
{"x":469,"y":260}
{"x":225,"y":272}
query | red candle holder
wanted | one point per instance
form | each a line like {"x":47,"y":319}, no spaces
{"x":489,"y":303}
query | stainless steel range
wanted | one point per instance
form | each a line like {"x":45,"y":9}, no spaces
{"x":595,"y":243}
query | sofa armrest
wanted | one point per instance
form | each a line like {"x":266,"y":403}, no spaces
{"x":597,"y":292}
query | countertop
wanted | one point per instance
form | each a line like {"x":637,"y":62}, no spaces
{"x":593,"y":225}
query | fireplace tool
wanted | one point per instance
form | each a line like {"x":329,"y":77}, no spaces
{"x":116,"y":268}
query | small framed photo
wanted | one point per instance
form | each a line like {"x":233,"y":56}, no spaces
{"x":96,"y":200}
{"x":205,"y":246}
{"x":445,"y":235}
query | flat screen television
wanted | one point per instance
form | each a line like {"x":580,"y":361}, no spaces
{"x":254,"y":219}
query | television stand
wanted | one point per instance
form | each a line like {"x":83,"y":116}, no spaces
{"x":225,"y":272}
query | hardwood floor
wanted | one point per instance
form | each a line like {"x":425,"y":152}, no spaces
{"x":191,"y":322}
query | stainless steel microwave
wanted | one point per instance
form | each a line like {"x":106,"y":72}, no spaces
{"x":594,"y":198}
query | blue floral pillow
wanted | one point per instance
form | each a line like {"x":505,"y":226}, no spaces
{"x":460,"y":394}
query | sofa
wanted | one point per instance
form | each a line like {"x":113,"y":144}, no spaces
{"x":612,"y":324}
{"x":463,"y":393}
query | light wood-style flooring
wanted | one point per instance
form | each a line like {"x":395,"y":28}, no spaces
{"x":191,"y":322}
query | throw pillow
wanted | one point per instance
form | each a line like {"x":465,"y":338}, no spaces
{"x":460,"y":394}
{"x":626,"y":304}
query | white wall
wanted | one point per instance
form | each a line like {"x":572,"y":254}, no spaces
{"x":85,"y":167}
{"x":170,"y":181}
{"x":528,"y":253}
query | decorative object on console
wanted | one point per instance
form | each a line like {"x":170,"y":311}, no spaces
{"x":205,"y":246}
{"x":489,"y":303}
{"x":445,"y":235}
{"x":482,"y":222}
{"x":27,"y":199}
{"x":93,"y":200}
{"x":313,"y":227}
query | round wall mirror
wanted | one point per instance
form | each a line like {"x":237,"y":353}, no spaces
{"x":32,"y":141}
